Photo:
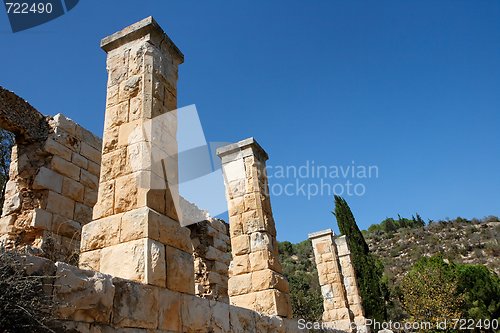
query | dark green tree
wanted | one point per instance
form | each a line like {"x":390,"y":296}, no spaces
{"x":6,"y":143}
{"x":369,"y":272}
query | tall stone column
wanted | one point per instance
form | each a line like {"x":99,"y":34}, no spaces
{"x":255,"y":277}
{"x":135,"y":233}
{"x":351,"y":285}
{"x":335,"y":303}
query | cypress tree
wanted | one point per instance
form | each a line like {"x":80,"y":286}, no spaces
{"x":368,"y":271}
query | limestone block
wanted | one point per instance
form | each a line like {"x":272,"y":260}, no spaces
{"x":357,"y":309}
{"x":140,"y":223}
{"x":110,"y":140}
{"x":269,"y":279}
{"x":261,"y":241}
{"x":57,"y":149}
{"x":87,"y":296}
{"x":116,"y":115}
{"x":215,"y":254}
{"x":342,"y":247}
{"x":89,"y":179}
{"x":180,"y":270}
{"x":61,"y":205}
{"x":72,"y":189}
{"x":65,"y":168}
{"x":112,"y":96}
{"x":66,"y":227}
{"x":79,"y":160}
{"x":362,"y":327}
{"x":90,"y":197}
{"x":141,"y":260}
{"x":242,"y":320}
{"x":90,"y":260}
{"x":236,"y":206}
{"x":48,"y":179}
{"x":61,"y":121}
{"x":41,"y":219}
{"x":273,"y":302}
{"x":239,"y":265}
{"x":270,"y":324}
{"x":101,"y":233}
{"x":114,"y":164}
{"x":264,"y":259}
{"x":235,"y":226}
{"x":94,"y":168}
{"x":240,"y":284}
{"x":220,"y":317}
{"x":105,"y":200}
{"x":169,"y":310}
{"x":135,"y":305}
{"x":240,"y":245}
{"x":83,"y":213}
{"x":196,"y":313}
{"x":172,"y":234}
{"x":336,"y":314}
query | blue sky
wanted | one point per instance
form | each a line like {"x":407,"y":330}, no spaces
{"x":412,"y":87}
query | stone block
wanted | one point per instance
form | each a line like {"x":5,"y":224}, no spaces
{"x":41,"y":219}
{"x":83,"y":213}
{"x":169,"y":311}
{"x":135,"y":305}
{"x":105,"y":200}
{"x":141,"y":260}
{"x":239,"y":265}
{"x":140,"y":223}
{"x":90,"y":197}
{"x":240,"y":285}
{"x":79,"y":161}
{"x":242,"y":319}
{"x":66,"y":227}
{"x":65,"y":168}
{"x":72,"y":189}
{"x":61,"y":205}
{"x":264,"y":259}
{"x":269,"y":279}
{"x":57,"y":149}
{"x":89,"y":179}
{"x":48,"y":179}
{"x":180,"y":270}
{"x":261,"y":241}
{"x":90,"y":260}
{"x":240,"y":245}
{"x":61,"y":121}
{"x":101,"y":233}
{"x":172,"y":234}
{"x":196,"y":313}
{"x":94,"y":168}
{"x":214,"y":254}
{"x":220,"y":322}
{"x":87,"y":295}
{"x":116,"y":115}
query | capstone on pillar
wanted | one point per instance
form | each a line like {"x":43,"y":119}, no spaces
{"x":135,"y":233}
{"x":255,"y":275}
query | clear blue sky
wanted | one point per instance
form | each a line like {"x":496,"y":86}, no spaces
{"x":412,"y":87}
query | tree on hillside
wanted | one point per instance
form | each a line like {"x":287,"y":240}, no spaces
{"x":430,"y":291}
{"x":6,"y":143}
{"x":368,"y":271}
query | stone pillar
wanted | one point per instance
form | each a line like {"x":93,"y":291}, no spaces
{"x":255,"y":277}
{"x":335,"y":303}
{"x":351,"y":286}
{"x":135,"y":233}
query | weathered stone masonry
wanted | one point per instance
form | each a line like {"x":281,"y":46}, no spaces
{"x":52,"y":183}
{"x":341,"y":297}
{"x":255,"y":278}
{"x":140,"y":271}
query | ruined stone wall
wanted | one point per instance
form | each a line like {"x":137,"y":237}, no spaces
{"x":211,"y":259}
{"x":51,"y":190}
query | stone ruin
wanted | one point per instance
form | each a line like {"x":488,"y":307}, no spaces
{"x":76,"y":199}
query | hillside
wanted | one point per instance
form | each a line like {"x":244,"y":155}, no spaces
{"x":459,"y":240}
